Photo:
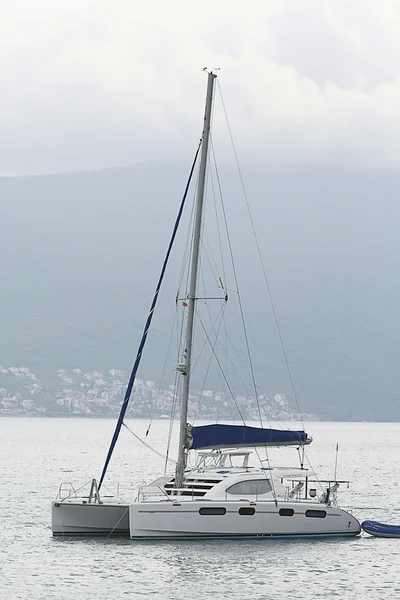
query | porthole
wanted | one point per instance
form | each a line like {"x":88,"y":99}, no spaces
{"x":316,"y":514}
{"x":212,"y":510}
{"x":286,"y":512}
{"x":247,"y":510}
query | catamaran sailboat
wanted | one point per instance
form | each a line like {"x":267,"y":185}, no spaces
{"x":223,"y":495}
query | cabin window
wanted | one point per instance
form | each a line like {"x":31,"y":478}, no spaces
{"x":286,"y":512}
{"x":316,"y":514}
{"x":247,"y":510}
{"x":212,"y":510}
{"x":252,"y":487}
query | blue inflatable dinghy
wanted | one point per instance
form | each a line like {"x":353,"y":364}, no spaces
{"x":381,"y":529}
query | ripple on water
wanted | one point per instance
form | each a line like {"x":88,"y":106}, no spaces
{"x":38,"y":567}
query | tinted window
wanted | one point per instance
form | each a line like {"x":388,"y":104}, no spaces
{"x":247,"y":510}
{"x":286,"y":512}
{"x":212,"y":510}
{"x":316,"y":514}
{"x":254,"y":487}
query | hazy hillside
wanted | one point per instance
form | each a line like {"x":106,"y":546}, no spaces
{"x":81,"y":253}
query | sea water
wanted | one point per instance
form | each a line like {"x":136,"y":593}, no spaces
{"x":36,"y":455}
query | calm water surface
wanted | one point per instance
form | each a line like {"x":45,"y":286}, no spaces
{"x":38,"y":454}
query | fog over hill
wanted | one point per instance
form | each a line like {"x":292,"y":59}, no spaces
{"x":81,"y":254}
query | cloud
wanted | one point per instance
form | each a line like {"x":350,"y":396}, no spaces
{"x":90,"y":84}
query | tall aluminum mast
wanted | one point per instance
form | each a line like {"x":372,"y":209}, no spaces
{"x":182,"y":451}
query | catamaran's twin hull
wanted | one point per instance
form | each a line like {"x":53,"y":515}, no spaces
{"x":166,"y":520}
{"x":77,"y":518}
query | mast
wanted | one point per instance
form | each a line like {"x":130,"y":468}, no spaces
{"x":183,"y":445}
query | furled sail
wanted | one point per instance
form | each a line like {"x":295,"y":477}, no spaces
{"x":128,"y":392}
{"x":236,"y":436}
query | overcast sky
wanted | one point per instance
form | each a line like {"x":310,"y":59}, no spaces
{"x":87,"y":84}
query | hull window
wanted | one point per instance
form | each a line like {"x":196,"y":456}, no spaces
{"x":286,"y":512}
{"x":247,"y":510}
{"x":212,"y":510}
{"x":316,"y":514}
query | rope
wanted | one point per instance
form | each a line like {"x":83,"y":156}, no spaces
{"x":148,"y":445}
{"x":117,"y":523}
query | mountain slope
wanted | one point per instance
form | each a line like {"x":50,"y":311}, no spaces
{"x":81,"y":254}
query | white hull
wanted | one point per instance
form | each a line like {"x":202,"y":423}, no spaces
{"x":168,"y":520}
{"x":76,"y":518}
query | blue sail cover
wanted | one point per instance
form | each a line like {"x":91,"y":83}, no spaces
{"x":236,"y":436}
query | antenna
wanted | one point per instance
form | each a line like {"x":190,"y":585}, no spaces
{"x":336,"y":459}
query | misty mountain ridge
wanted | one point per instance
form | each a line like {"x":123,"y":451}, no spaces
{"x":82,"y":253}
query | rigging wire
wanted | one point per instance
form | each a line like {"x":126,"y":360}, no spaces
{"x":237,"y":406}
{"x":277,"y":421}
{"x":237,"y":287}
{"x":162,"y":376}
{"x":219,"y":316}
{"x":218,"y":227}
{"x":171,"y":419}
{"x":313,"y":472}
{"x":262,"y":263}
{"x":188,"y":245}
{"x":149,"y":319}
{"x":261,"y":259}
{"x":180,"y":324}
{"x":176,"y":386}
{"x":223,"y":284}
{"x":214,"y":268}
{"x":208,"y":256}
{"x":220,"y":367}
{"x":269,"y":418}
